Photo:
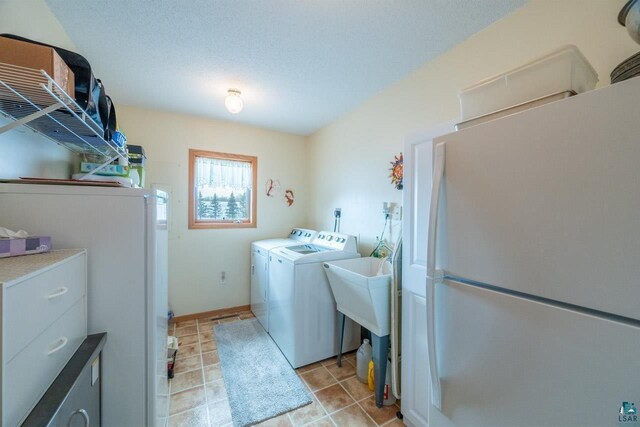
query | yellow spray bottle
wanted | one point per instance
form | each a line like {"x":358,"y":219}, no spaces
{"x":371,"y":379}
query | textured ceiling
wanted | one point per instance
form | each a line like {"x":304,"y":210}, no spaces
{"x":300,"y":64}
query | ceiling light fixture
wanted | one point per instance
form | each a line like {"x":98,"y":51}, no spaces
{"x":233,"y":102}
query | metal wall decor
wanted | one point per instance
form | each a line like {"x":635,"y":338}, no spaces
{"x":396,"y":172}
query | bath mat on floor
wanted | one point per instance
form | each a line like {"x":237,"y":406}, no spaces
{"x":260,"y":382}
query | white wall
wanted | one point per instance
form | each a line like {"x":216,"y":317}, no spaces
{"x":33,"y":19}
{"x":22,"y":152}
{"x":197,"y":257}
{"x":361,"y":144}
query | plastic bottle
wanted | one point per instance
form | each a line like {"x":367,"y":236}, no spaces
{"x":388,"y":397}
{"x":363,"y":357}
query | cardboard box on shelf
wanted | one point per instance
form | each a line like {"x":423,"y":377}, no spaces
{"x":37,"y":57}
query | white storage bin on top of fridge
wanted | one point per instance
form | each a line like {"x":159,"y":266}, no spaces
{"x":565,"y":69}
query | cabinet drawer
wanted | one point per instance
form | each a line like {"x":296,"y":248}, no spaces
{"x":31,"y":305}
{"x":84,"y":396}
{"x":31,"y":372}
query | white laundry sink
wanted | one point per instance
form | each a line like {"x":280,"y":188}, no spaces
{"x":361,"y":287}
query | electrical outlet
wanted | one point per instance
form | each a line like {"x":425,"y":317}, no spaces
{"x":223,"y":278}
{"x":396,"y":215}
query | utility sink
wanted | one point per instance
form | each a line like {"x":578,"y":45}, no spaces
{"x":361,"y":287}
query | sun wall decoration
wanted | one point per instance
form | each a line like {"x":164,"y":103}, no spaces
{"x":396,"y":172}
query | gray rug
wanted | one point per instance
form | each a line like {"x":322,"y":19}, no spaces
{"x":260,"y":382}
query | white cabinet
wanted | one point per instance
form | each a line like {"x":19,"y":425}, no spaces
{"x":259,"y":289}
{"x":44,"y":321}
{"x":125,"y":232}
{"x":415,"y":372}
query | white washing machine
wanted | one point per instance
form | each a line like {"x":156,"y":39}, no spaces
{"x":303,"y":320}
{"x":260,"y":269}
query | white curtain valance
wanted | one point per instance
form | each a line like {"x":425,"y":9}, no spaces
{"x":231,"y":174}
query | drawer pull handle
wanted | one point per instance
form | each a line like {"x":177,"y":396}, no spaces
{"x":58,"y":292}
{"x":62,"y":342}
{"x":84,"y":415}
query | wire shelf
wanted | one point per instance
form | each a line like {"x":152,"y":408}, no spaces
{"x":33,"y":99}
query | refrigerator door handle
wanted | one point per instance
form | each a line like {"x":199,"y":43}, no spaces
{"x":434,"y":276}
{"x":438,"y":173}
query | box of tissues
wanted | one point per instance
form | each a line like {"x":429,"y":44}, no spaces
{"x":24,"y":246}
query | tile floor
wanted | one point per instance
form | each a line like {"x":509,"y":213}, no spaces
{"x":198,"y":395}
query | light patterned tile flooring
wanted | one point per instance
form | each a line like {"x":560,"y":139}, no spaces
{"x":199,"y":398}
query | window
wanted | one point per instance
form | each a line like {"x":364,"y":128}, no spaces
{"x":222,"y":190}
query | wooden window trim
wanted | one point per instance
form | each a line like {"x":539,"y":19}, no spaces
{"x":195,"y":224}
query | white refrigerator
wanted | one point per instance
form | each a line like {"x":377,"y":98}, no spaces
{"x":125,"y":233}
{"x":532,"y":238}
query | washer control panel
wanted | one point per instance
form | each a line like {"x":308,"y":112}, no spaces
{"x":336,"y":241}
{"x":303,"y":235}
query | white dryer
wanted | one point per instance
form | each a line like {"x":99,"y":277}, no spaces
{"x":260,"y":269}
{"x":303,"y":320}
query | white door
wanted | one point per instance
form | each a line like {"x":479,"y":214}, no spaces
{"x":415,"y":369}
{"x":259,"y":284}
{"x":416,"y":197}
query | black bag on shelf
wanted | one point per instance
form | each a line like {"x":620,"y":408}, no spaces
{"x":89,"y":91}
{"x":112,"y":123}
